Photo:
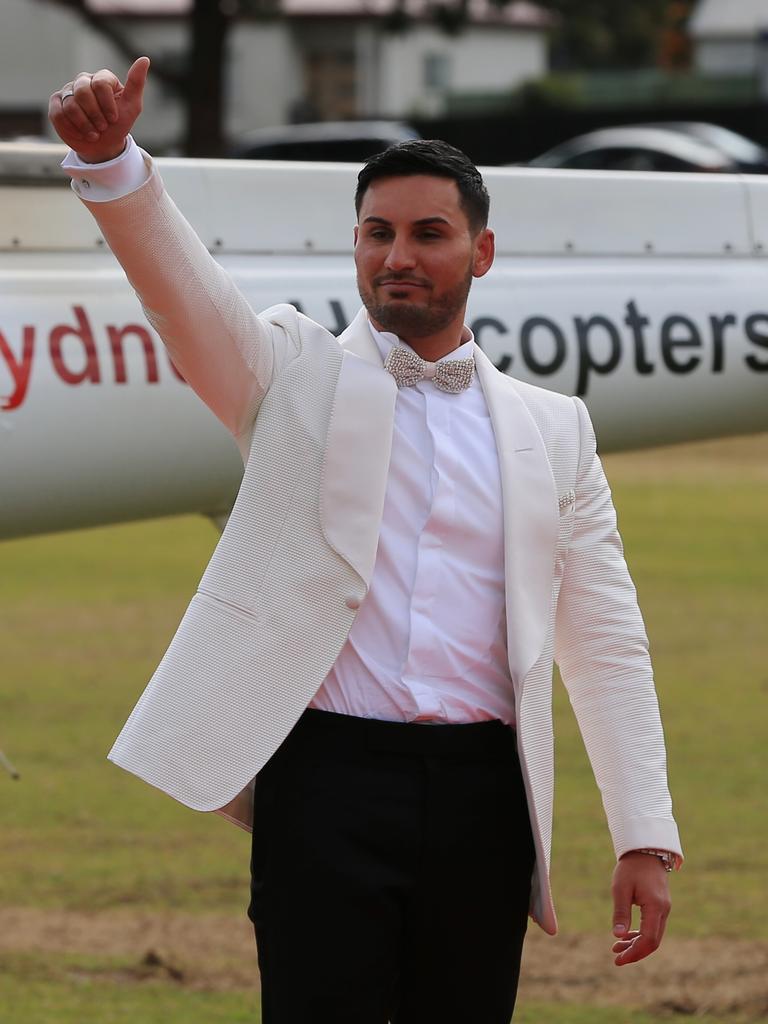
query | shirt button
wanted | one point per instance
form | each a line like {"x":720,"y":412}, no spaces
{"x":352,"y":602}
{"x":85,"y":183}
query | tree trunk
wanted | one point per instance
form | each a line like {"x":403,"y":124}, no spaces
{"x":205,"y":79}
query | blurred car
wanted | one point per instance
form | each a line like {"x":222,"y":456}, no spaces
{"x":338,"y":141}
{"x":672,"y":146}
{"x":750,"y":157}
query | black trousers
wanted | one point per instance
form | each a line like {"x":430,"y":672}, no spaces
{"x":390,"y":873}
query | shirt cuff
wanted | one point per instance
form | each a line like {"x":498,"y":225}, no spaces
{"x":113,"y":179}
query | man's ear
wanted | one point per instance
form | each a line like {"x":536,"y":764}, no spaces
{"x":485,"y":251}
{"x":355,"y":233}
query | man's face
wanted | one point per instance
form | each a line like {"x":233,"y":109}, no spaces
{"x":416,"y":256}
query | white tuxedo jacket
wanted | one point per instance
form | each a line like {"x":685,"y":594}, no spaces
{"x":313,"y":419}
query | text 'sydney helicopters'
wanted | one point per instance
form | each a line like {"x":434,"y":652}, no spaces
{"x":647,"y":294}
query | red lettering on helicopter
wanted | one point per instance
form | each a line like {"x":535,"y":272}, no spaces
{"x":75,"y":356}
{"x":19,"y":369}
{"x":116,"y":338}
{"x":87,"y":357}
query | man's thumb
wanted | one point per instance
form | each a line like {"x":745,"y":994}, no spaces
{"x":622,"y":907}
{"x":622,"y":918}
{"x":135,"y":80}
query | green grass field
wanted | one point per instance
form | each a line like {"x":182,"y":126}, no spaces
{"x":116,"y":904}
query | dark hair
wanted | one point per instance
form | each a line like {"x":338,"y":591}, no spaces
{"x":433,"y":157}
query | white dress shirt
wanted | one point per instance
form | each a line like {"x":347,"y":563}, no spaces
{"x":429,"y":641}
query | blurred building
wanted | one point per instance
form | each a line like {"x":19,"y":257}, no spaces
{"x":322,"y":60}
{"x":730,"y":37}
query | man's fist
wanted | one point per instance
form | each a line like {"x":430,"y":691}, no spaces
{"x":93,"y":114}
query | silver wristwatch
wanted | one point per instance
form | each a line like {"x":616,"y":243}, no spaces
{"x":667,"y":859}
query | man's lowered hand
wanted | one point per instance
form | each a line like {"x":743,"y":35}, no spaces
{"x":639,"y":879}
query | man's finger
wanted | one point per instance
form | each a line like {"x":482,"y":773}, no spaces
{"x":64,"y":128}
{"x":639,"y":948}
{"x":648,"y":939}
{"x":135,"y":81}
{"x":76,"y":119}
{"x":622,"y":909}
{"x":653,"y":916}
{"x":85,"y":99}
{"x":625,"y":943}
{"x":105,"y":84}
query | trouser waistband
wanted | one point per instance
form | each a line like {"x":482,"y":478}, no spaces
{"x":490,"y":739}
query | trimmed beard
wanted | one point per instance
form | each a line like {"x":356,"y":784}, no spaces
{"x":411,"y":320}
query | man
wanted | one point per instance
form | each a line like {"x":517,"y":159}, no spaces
{"x":415,"y":538}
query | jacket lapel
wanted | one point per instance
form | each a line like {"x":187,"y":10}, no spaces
{"x":358,"y":447}
{"x":530,"y":518}
{"x":357,"y":338}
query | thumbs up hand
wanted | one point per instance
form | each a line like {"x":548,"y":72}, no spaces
{"x":93,"y":114}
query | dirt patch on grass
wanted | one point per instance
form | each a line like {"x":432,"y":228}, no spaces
{"x":689,"y":977}
{"x":724,"y":977}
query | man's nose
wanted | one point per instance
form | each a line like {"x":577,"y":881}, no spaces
{"x":401,"y":255}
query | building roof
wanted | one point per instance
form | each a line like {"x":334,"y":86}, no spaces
{"x":521,"y":13}
{"x":164,"y":8}
{"x":729,"y":18}
{"x":518,"y":14}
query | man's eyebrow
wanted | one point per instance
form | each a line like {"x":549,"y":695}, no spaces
{"x":421,"y":221}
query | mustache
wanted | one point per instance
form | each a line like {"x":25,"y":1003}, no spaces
{"x":401,"y":279}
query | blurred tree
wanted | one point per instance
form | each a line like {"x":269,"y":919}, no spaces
{"x":606,"y":33}
{"x":589,"y":33}
{"x":675,"y":47}
{"x":200,"y":85}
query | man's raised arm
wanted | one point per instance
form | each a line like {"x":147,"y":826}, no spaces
{"x":225,"y":352}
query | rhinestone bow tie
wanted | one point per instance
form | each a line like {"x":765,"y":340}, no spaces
{"x":451,"y":375}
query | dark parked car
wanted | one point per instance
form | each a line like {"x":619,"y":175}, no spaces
{"x":672,"y":146}
{"x":340,"y":141}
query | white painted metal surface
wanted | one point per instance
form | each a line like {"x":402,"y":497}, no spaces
{"x":646,"y":294}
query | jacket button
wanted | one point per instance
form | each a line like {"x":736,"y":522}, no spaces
{"x":352,"y":602}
